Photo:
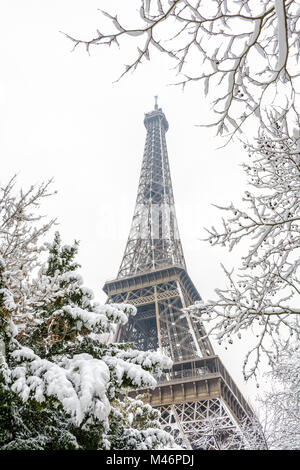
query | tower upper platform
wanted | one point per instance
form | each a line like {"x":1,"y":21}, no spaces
{"x":156,"y":115}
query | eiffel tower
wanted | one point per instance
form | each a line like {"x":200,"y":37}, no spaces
{"x":154,"y":278}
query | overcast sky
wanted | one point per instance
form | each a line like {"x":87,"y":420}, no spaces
{"x":62,"y":116}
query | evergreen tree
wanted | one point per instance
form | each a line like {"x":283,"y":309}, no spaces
{"x":66,"y":375}
{"x":24,"y":424}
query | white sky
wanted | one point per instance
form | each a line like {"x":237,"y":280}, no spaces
{"x":61,"y":116}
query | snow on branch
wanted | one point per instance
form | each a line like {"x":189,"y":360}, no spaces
{"x":21,"y":231}
{"x":248,"y":51}
{"x":280,"y":404}
{"x":262,"y":294}
{"x":80,"y":383}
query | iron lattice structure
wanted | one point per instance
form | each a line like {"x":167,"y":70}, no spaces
{"x":154,"y":237}
{"x":153,"y":277}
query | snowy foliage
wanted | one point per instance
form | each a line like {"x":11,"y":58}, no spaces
{"x":246,"y":52}
{"x":62,"y":385}
{"x":281,"y":404}
{"x":20,"y":240}
{"x":128,"y":430}
{"x":262,"y":295}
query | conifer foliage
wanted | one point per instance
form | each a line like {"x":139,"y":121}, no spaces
{"x":63,"y":385}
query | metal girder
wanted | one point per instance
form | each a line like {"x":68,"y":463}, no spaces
{"x":186,"y":419}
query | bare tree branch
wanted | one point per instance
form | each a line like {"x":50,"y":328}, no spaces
{"x":247,"y":50}
{"x":20,"y":238}
{"x":264,"y":293}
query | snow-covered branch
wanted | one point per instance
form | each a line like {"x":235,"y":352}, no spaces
{"x":281,"y":404}
{"x":21,"y":232}
{"x":247,"y":51}
{"x":263,"y":293}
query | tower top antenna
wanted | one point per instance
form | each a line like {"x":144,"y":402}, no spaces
{"x":156,"y":105}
